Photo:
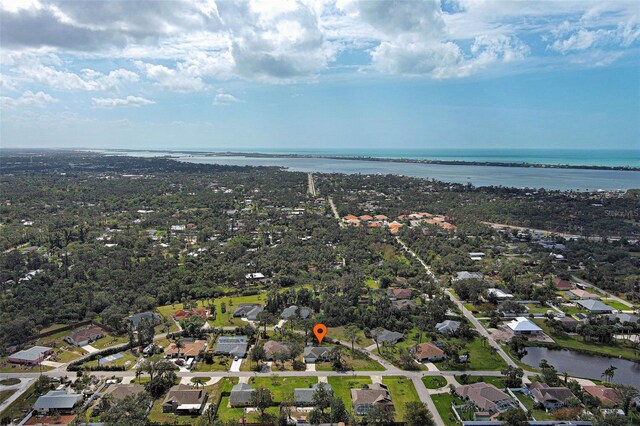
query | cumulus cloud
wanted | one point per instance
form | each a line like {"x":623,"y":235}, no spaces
{"x":129,"y":101}
{"x":28,"y":99}
{"x":223,"y":98}
{"x":179,"y":79}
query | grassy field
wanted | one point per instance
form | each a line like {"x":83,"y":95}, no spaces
{"x":402,"y":391}
{"x":282,"y":386}
{"x":434,"y":382}
{"x":220,"y":363}
{"x":338,"y":334}
{"x":226,"y":413}
{"x":359,"y":362}
{"x":6,"y":367}
{"x":342,"y":386}
{"x":5,"y":394}
{"x":618,"y":349}
{"x":480,"y":357}
{"x":617,"y":305}
{"x":108,"y":341}
{"x":443,"y":403}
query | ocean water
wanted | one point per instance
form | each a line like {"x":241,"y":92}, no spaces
{"x":519,"y":177}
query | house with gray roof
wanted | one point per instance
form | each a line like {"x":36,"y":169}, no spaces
{"x":391,"y":337}
{"x":466,"y":275}
{"x":58,"y":401}
{"x":622,"y":318}
{"x":249,"y":311}
{"x":595,"y":306}
{"x":293,"y":310}
{"x":137,"y":319}
{"x":303,"y":397}
{"x":240,"y":395}
{"x":232,"y":346}
{"x":313,"y":354}
{"x":184,"y":399}
{"x":370,"y":395}
{"x":31,"y":356}
{"x":448,"y":327}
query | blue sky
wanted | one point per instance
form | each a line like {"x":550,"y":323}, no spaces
{"x":320,"y":74}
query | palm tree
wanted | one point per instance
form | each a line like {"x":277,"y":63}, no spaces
{"x":375,"y":333}
{"x":351,"y":333}
{"x":609,"y":373}
{"x":179,"y":344}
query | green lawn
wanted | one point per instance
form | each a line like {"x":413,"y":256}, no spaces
{"x":342,"y":386}
{"x":226,"y":413}
{"x":443,"y":403}
{"x":109,"y":340}
{"x":9,"y":382}
{"x":402,"y":391}
{"x":434,"y":382}
{"x":480,"y":357}
{"x":220,"y":363}
{"x":6,"y":367}
{"x":371,"y":283}
{"x":128,"y":357}
{"x":617,"y":305}
{"x":5,"y":394}
{"x":496,"y":381}
{"x":529,"y":403}
{"x":358,"y":363}
{"x":282,"y":386}
{"x":338,"y":334}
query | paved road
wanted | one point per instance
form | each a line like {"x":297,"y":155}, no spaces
{"x":312,"y":184}
{"x":425,"y":397}
{"x":335,"y":212}
{"x":19,"y":388}
{"x":465,"y":311}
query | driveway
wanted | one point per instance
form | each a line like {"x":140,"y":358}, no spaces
{"x":89,"y":349}
{"x":235,"y":365}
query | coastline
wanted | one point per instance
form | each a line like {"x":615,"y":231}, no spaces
{"x":521,"y":164}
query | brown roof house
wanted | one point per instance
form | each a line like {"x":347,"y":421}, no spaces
{"x":184,"y":399}
{"x":486,"y":397}
{"x":272,"y":347}
{"x":365,"y":398}
{"x":428,"y":352}
{"x":119,"y":391}
{"x":84,"y":337}
{"x":550,"y":397}
{"x":190,"y":349}
{"x":399,"y":293}
{"x":562,"y":285}
{"x":606,"y":395}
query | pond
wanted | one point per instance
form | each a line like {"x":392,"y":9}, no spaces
{"x":579,"y":364}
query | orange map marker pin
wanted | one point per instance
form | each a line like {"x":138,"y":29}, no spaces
{"x":320,"y":330}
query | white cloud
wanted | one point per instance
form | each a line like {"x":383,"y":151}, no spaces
{"x":180,"y":79}
{"x":28,"y":99}
{"x":129,"y":101}
{"x":223,"y":98}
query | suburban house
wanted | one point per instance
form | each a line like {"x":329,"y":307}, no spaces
{"x":562,"y":285}
{"x":498,"y":293}
{"x":184,"y":399}
{"x":524,"y":326}
{"x":150,"y":317}
{"x":313,"y":354}
{"x":249,"y":311}
{"x":402,"y":305}
{"x":293,"y":310}
{"x":31,"y":356}
{"x":622,"y":318}
{"x":303,"y":397}
{"x":255,"y":276}
{"x":182,"y":314}
{"x":84,"y":337}
{"x":581,"y":294}
{"x":391,"y":337}
{"x":232,"y":346}
{"x":550,"y":397}
{"x":365,"y":398}
{"x":399,"y":293}
{"x":448,"y":327}
{"x":118,"y":391}
{"x":466,"y":275}
{"x":240,"y":395}
{"x":189,"y":349}
{"x":569,"y":323}
{"x":606,"y":395}
{"x":57,"y":401}
{"x":595,"y":306}
{"x":272,"y":348}
{"x":486,"y":397}
{"x":428,"y":352}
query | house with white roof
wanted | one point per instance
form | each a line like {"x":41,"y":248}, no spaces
{"x":524,"y":326}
